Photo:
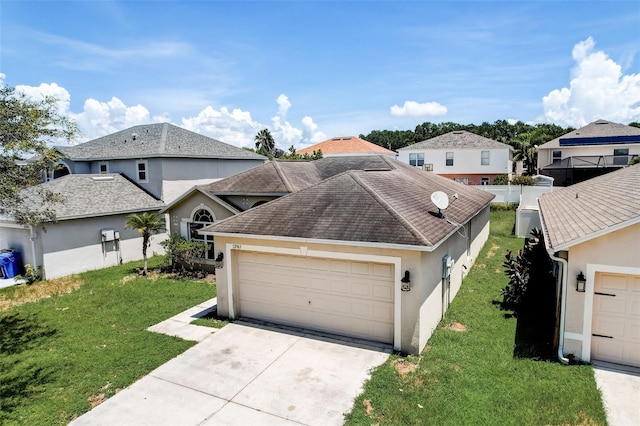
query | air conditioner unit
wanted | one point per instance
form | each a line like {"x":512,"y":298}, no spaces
{"x":427,"y":167}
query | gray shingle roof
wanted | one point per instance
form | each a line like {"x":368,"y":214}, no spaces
{"x":154,"y":140}
{"x":379,"y":206}
{"x":589,"y":208}
{"x":599,"y":128}
{"x":282,"y":177}
{"x":93,"y":195}
{"x":458,"y":139}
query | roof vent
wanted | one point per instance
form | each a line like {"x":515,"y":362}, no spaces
{"x":134,"y":136}
{"x":102,"y":178}
{"x":457,"y":132}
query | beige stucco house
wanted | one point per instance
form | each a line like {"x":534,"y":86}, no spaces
{"x":362,"y":254}
{"x":592,"y":230}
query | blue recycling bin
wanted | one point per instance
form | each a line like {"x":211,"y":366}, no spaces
{"x":10,"y":261}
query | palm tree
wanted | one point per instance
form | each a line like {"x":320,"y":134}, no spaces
{"x":147,"y":224}
{"x":265,"y":142}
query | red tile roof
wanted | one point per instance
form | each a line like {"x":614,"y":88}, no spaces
{"x":346,"y":145}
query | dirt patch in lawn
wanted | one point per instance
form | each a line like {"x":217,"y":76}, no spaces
{"x":456,"y":326}
{"x":492,"y":250}
{"x":95,"y":400}
{"x":405,"y":367}
{"x":368,"y":408}
{"x":23,"y":293}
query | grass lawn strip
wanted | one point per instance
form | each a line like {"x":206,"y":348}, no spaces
{"x":468,"y":375}
{"x":61,"y":355}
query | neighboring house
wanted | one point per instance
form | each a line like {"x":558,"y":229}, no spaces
{"x":206,"y":204}
{"x":89,"y":232}
{"x":597,"y":148}
{"x":361,"y":254}
{"x":162,"y":158}
{"x":462,"y":156}
{"x":591,"y":230}
{"x":347,"y":145}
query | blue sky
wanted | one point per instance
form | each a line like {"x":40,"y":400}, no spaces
{"x":313,"y":70}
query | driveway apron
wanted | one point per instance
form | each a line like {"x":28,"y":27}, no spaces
{"x":620,"y":388}
{"x":243,"y":375}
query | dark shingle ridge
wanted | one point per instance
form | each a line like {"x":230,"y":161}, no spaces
{"x":404,"y":222}
{"x":283,"y":177}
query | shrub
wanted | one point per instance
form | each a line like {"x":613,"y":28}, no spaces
{"x":529,"y":272}
{"x":522,"y":180}
{"x":501,"y":180}
{"x":182,"y":253}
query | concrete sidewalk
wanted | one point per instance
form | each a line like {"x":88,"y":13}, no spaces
{"x":244,"y":374}
{"x":180,"y":325}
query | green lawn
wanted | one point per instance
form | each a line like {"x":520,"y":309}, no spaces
{"x":471,"y":377}
{"x":61,"y":354}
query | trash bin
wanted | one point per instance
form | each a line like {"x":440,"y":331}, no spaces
{"x":10,"y":263}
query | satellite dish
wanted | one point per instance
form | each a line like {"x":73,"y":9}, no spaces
{"x":440,"y":199}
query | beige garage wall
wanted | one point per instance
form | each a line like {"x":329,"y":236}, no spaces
{"x":620,"y":248}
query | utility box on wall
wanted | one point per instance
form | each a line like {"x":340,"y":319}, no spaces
{"x":108,"y":235}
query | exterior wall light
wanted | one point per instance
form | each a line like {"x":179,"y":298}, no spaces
{"x":406,"y":281}
{"x":219,"y":260}
{"x":581,"y":282}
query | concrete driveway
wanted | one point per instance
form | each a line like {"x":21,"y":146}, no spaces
{"x":620,"y":388}
{"x":246,"y":375}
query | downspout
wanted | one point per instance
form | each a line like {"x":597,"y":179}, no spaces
{"x":563,"y":302}
{"x":33,"y":235}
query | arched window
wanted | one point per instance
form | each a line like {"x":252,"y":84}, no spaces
{"x":200,"y":219}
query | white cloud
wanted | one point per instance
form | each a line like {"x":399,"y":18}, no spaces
{"x":38,"y":93}
{"x":235,"y":127}
{"x":415,"y":109}
{"x":283,"y":105}
{"x":311,"y":129}
{"x":102,"y":118}
{"x":598,"y":89}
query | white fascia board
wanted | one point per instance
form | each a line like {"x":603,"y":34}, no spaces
{"x":197,"y":188}
{"x":597,"y":234}
{"x":321,"y":241}
{"x":86,"y":216}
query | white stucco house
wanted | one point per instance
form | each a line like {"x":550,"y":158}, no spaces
{"x":597,"y":148}
{"x":89,"y":232}
{"x":363,"y":254}
{"x":591,"y":230}
{"x":462,"y":156}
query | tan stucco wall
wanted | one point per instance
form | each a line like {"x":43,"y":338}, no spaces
{"x":184,"y":210}
{"x":421,"y":308}
{"x":619,"y":248}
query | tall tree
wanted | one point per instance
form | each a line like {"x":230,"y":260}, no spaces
{"x":27,"y":128}
{"x":147,"y":224}
{"x":265,"y":144}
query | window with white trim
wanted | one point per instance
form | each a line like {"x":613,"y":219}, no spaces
{"x":104,"y":167}
{"x":484,"y":158}
{"x":449,"y":161}
{"x":200,"y":219}
{"x":416,"y":159}
{"x":142,"y":171}
{"x":484,"y":181}
{"x":556,"y":156}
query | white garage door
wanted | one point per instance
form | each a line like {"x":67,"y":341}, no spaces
{"x":337,"y":296}
{"x":616,"y":319}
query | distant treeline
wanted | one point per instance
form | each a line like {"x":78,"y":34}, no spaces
{"x":518,"y":135}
